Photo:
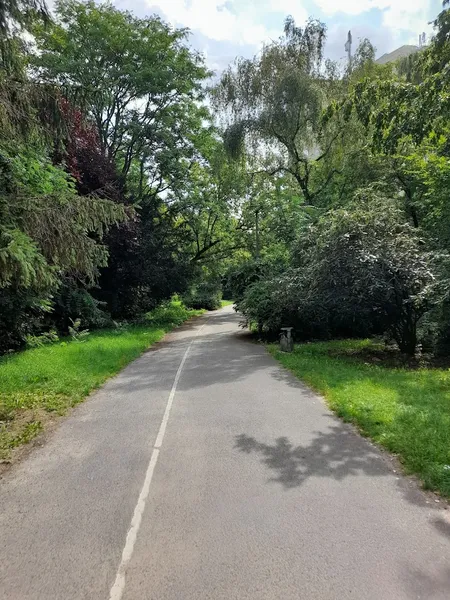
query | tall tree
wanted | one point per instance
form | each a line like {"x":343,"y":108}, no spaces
{"x":140,"y":87}
{"x":210,"y":201}
{"x":47,"y":232}
{"x":21,"y":13}
{"x":274,"y":102}
{"x":138,"y":81}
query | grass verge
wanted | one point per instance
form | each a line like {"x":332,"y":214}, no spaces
{"x":405,"y":411}
{"x":38,"y":382}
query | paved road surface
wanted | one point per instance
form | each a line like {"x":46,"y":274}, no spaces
{"x":246,"y":487}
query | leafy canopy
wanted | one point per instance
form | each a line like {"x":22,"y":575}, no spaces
{"x":274,"y":102}
{"x":137,"y":80}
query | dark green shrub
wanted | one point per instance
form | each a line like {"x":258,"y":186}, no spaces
{"x":46,"y":338}
{"x":169,"y":314}
{"x":440,"y":324}
{"x":359,"y":272}
{"x":206,"y":294}
{"x":21,"y":314}
{"x":240,"y":278}
{"x":73,"y":302}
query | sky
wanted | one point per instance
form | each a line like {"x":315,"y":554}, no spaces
{"x":224,"y":29}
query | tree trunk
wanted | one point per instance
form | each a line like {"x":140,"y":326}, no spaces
{"x":406,"y":334}
{"x":257,"y":250}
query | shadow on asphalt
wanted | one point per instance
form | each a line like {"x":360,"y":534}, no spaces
{"x":338,"y":453}
{"x":443,"y":526}
{"x":422,"y":585}
{"x":331,"y":454}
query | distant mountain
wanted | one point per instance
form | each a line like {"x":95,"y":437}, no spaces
{"x":401,"y":52}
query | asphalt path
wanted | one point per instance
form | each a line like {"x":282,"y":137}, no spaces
{"x":205,"y":471}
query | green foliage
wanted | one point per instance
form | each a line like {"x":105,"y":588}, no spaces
{"x":410,"y":102}
{"x":170,"y":314}
{"x":204,"y":206}
{"x":21,"y":313}
{"x":363,"y":260}
{"x":276,"y":100}
{"x":117,"y":191}
{"x":76,"y":333}
{"x":260,"y":306}
{"x":366,"y":261}
{"x":205,"y":294}
{"x":39,"y":198}
{"x":116,"y":101}
{"x":21,"y":13}
{"x":36,"y":341}
{"x":148,"y":264}
{"x":407,"y":412}
{"x":47,"y":231}
{"x":138,"y":87}
{"x":241,"y":277}
{"x":123,"y":71}
{"x":73,"y":301}
{"x":359,"y":265}
{"x":21,"y":263}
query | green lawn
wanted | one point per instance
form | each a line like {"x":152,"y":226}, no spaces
{"x":405,"y":411}
{"x":52,"y":378}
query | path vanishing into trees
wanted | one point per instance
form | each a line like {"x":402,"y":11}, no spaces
{"x":204,"y":471}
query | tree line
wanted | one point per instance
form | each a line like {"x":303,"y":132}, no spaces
{"x":363,"y":154}
{"x":115,"y":189}
{"x":313,"y":195}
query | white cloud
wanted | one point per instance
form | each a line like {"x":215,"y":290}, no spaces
{"x":398,"y":16}
{"x":223,"y":29}
{"x":213,"y":18}
{"x":243,"y":22}
{"x":404,"y":16}
{"x":290,"y":7}
{"x":353,"y":7}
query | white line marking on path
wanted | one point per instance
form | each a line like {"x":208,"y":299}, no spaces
{"x":118,"y":587}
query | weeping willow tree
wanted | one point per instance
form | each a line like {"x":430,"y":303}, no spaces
{"x":273,"y":105}
{"x":21,"y":13}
